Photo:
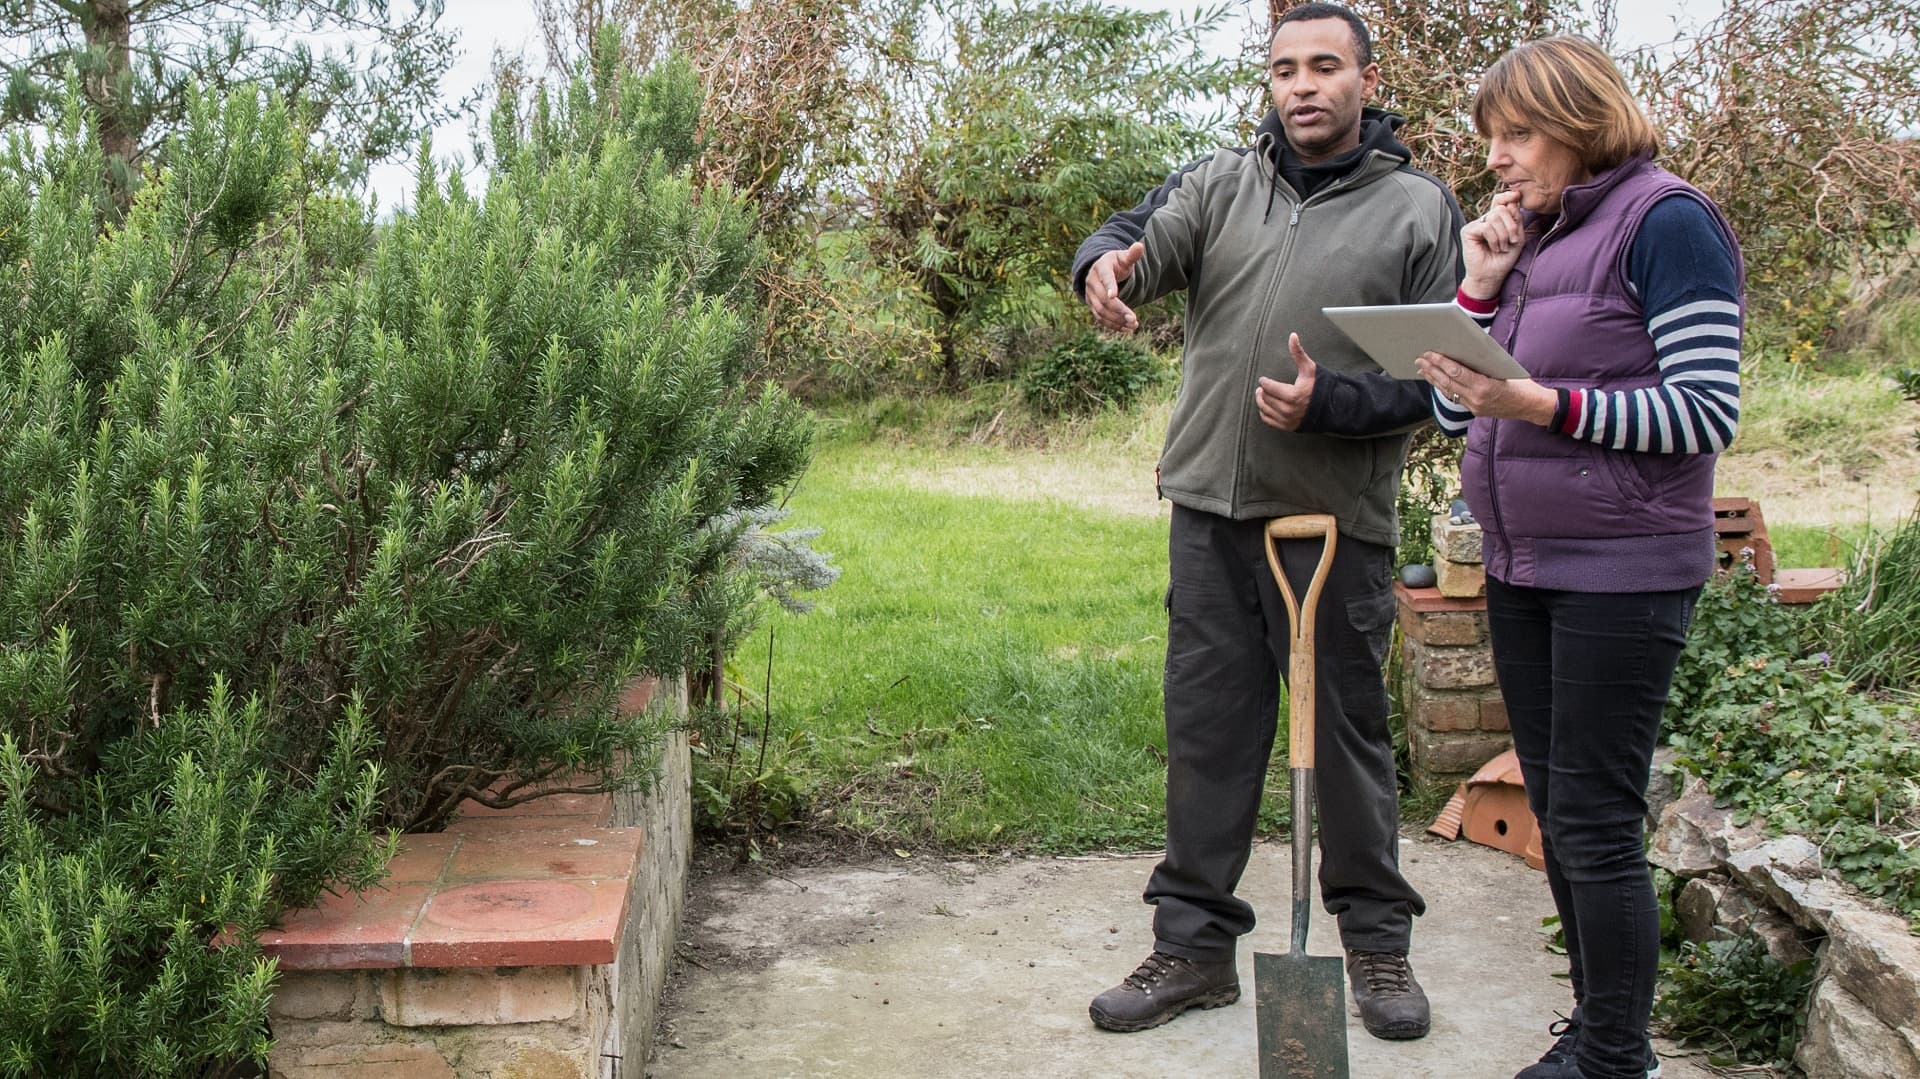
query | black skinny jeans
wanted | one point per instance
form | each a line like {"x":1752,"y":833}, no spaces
{"x":1585,"y":676}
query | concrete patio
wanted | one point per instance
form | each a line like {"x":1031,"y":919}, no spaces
{"x":926,"y":968}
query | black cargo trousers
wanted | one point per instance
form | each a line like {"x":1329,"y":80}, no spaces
{"x":1227,"y":646}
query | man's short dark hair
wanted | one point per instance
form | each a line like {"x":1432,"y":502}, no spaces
{"x":1362,"y":41}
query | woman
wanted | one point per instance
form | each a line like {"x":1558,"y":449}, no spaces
{"x":1618,"y":287}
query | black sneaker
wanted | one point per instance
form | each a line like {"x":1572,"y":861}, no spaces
{"x":1557,"y":1063}
{"x":1163,"y":987}
{"x":1392,"y":1004}
{"x":1562,"y":1061}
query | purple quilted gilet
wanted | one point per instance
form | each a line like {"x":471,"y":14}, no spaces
{"x":1563,"y":513}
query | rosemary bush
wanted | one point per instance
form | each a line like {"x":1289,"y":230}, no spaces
{"x":312,"y":525}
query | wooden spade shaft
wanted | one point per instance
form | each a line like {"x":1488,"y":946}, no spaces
{"x":1300,"y":615}
{"x":1300,"y":1000}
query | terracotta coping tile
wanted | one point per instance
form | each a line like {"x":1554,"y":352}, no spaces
{"x":521,"y":923}
{"x":505,"y":824}
{"x":1430,"y":601}
{"x":367,"y":931}
{"x":1807,"y":585}
{"x":638,"y":694}
{"x":566,"y":810}
{"x":485,"y":898}
{"x":546,"y":855}
{"x":422,"y":858}
{"x":544,"y":882}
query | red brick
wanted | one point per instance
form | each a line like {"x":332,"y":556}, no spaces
{"x":1444,"y":710}
{"x":1493,"y":713}
{"x":1430,"y":599}
{"x":1442,"y":755}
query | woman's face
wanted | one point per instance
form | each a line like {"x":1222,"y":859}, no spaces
{"x":1535,"y":166}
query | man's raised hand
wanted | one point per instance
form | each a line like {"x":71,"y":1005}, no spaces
{"x":1284,"y":404}
{"x":1103,"y":289}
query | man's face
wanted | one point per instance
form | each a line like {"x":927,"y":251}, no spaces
{"x":1319,"y":86}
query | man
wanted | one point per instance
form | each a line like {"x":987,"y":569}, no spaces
{"x":1321,"y":211}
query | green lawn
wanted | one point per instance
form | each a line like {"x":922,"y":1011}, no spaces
{"x":1797,"y":546}
{"x":985,"y":671}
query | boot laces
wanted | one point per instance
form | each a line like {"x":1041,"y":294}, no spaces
{"x":1151,"y":970}
{"x":1385,"y":972}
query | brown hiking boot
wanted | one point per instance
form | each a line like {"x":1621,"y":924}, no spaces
{"x":1392,"y":1004}
{"x":1163,"y":987}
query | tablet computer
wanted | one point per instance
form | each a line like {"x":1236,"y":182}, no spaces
{"x":1396,"y":335}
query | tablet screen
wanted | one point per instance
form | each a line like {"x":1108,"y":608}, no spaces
{"x":1396,"y":335}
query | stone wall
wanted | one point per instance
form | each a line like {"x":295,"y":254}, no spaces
{"x":1456,"y":719}
{"x":471,"y":1023}
{"x":1864,"y":1018}
{"x":524,"y":943}
{"x":665,"y":815}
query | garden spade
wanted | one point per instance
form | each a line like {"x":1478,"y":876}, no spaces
{"x":1300,"y":1001}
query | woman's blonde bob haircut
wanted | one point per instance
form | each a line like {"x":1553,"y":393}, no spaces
{"x":1568,"y":89}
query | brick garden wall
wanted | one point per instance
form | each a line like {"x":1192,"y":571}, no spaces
{"x":530,"y":943}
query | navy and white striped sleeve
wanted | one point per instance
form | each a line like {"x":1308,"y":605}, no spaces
{"x":1689,"y":289}
{"x":1683,"y":270}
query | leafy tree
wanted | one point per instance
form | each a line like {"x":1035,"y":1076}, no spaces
{"x":784,"y":81}
{"x":1793,"y":114}
{"x":1027,"y":122}
{"x":922,"y":169}
{"x":139,"y":63}
{"x":1796,"y":115}
{"x":793,"y":91}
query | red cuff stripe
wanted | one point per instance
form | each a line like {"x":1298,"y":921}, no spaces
{"x":1475,"y":306}
{"x":1576,"y":405}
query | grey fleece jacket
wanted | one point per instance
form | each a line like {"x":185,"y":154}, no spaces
{"x":1259,"y":262}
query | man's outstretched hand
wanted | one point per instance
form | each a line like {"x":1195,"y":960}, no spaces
{"x":1103,"y":289}
{"x":1284,"y":404}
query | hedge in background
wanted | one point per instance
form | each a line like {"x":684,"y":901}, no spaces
{"x":1090,"y":372}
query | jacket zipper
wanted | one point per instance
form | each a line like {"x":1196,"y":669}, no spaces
{"x":1273,"y":290}
{"x":1279,"y":274}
